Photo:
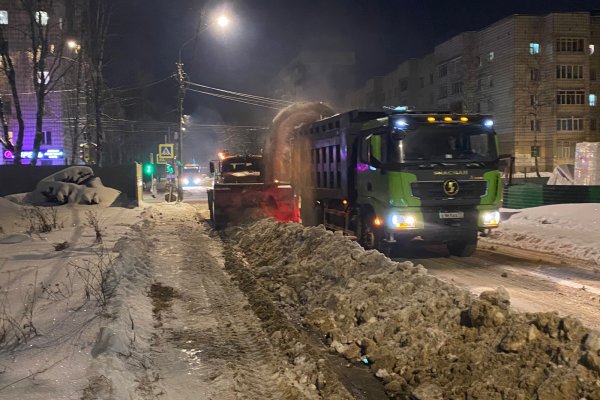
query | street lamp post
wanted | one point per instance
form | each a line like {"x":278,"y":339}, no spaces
{"x":223,"y":21}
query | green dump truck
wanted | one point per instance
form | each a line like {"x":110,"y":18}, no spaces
{"x":389,"y":177}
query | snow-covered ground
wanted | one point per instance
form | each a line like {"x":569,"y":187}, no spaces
{"x":567,"y":230}
{"x":58,"y":340}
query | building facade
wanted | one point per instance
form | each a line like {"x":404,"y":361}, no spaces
{"x":56,"y":147}
{"x":536,"y":74}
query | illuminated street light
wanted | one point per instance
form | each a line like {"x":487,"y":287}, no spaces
{"x":223,"y":21}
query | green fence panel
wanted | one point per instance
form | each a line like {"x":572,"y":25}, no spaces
{"x":534,"y":195}
{"x":523,"y":196}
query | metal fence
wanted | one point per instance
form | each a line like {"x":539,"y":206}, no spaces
{"x":535,"y":195}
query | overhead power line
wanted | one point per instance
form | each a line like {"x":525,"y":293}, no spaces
{"x":252,"y":97}
{"x":239,"y":100}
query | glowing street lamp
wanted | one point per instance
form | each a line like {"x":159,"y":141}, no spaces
{"x":222,"y":21}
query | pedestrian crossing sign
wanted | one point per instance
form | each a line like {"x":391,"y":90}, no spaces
{"x":165,"y":150}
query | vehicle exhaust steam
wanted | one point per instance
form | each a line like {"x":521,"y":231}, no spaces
{"x":277,"y":155}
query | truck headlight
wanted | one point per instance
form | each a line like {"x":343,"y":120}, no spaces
{"x":399,"y":221}
{"x":185,"y":181}
{"x":196,"y":181}
{"x":491,"y":218}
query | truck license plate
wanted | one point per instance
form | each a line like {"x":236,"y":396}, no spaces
{"x":452,"y":215}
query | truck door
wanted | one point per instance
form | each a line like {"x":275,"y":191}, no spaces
{"x":371,"y":181}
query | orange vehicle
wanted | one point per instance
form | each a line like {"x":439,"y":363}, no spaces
{"x":239,"y":192}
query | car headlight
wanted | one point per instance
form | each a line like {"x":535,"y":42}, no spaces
{"x":400,"y":221}
{"x":491,"y":218}
{"x":186,"y":181}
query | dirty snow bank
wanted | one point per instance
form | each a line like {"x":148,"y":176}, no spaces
{"x":424,"y":338}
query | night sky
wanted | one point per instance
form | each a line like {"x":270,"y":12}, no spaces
{"x":267,"y":34}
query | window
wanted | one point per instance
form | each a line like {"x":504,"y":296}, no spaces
{"x":478,"y":107}
{"x":479,"y":61}
{"x":3,"y":17}
{"x":421,"y":82}
{"x":536,"y":125}
{"x":591,"y":49}
{"x":565,"y":149}
{"x":534,"y":74}
{"x":490,"y":56}
{"x":490,"y":106}
{"x":443,"y":70}
{"x":534,"y":48}
{"x":46,"y":137}
{"x":569,"y":71}
{"x":592,"y":74}
{"x":403,"y":85}
{"x":533,"y":100}
{"x":457,"y":87}
{"x":430,"y":79}
{"x":443,"y":91}
{"x":570,"y":45}
{"x":41,"y":17}
{"x":490,"y":81}
{"x":570,"y":97}
{"x":593,"y":124}
{"x":569,"y":124}
{"x":479,"y":84}
{"x":592,"y":100}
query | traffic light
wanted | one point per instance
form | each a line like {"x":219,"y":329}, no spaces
{"x":148,"y":169}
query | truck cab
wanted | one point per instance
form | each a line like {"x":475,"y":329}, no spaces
{"x":390,"y":177}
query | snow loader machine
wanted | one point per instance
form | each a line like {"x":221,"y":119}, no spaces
{"x":239,"y":192}
{"x":392,"y":177}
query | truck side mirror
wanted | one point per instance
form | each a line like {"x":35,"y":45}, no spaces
{"x":211,"y":167}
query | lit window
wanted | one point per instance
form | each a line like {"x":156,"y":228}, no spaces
{"x":534,"y":48}
{"x":592,"y":100}
{"x":592,"y":48}
{"x":3,"y":17}
{"x":41,"y":17}
{"x":490,"y":56}
{"x":46,"y":137}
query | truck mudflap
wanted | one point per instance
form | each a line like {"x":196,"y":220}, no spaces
{"x":238,"y":203}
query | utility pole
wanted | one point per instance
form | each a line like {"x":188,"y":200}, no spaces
{"x":179,"y":158}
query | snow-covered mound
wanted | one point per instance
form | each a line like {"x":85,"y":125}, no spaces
{"x":9,"y":215}
{"x":424,"y":338}
{"x":74,"y":185}
{"x":571,"y":230}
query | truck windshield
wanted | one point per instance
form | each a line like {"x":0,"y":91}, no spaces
{"x":443,"y":143}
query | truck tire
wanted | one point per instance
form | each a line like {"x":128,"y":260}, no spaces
{"x":371,"y":237}
{"x":310,"y":212}
{"x":463,"y":248}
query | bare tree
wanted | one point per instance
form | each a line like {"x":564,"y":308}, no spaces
{"x":539,"y":99}
{"x":8,"y":69}
{"x":46,"y":59}
{"x":98,"y":20}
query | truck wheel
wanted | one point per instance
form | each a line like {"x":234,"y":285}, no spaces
{"x":462,"y":248}
{"x":370,"y":237}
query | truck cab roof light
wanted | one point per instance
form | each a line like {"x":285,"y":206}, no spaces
{"x":448,"y":119}
{"x":430,"y":119}
{"x":464,"y":119}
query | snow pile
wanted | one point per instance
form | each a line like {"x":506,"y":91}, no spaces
{"x":571,"y":230}
{"x":424,"y":338}
{"x":74,"y":185}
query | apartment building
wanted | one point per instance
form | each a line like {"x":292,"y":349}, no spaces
{"x":536,"y":74}
{"x":14,"y":22}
